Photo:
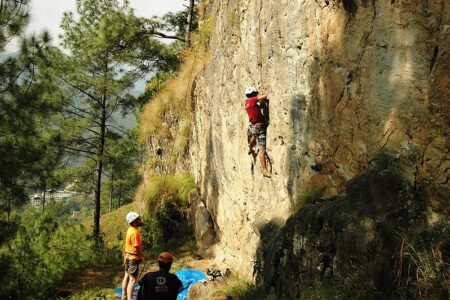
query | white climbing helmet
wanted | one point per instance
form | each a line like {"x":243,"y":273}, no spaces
{"x":131,"y":216}
{"x":250,"y":90}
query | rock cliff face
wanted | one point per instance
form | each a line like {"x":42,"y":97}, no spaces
{"x":347,"y":80}
{"x":355,"y":242}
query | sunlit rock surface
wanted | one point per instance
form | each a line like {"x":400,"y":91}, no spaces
{"x":347,"y":80}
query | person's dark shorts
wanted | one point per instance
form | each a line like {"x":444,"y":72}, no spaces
{"x":132,"y":267}
{"x":258,"y":130}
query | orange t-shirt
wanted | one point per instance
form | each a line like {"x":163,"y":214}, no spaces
{"x":133,"y":240}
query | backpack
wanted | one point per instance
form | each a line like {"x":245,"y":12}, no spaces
{"x":264,"y":108}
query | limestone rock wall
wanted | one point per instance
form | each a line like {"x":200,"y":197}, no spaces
{"x":346,"y":79}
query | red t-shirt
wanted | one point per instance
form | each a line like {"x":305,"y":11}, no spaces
{"x":253,"y":111}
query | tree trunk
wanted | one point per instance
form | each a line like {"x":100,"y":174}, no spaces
{"x":189,"y":22}
{"x":111,"y":189}
{"x":98,"y":181}
{"x":9,"y":207}
{"x":43,"y":197}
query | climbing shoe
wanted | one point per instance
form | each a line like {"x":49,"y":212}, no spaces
{"x":267,"y":174}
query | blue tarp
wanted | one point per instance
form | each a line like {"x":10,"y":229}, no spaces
{"x":118,"y":291}
{"x":187,"y":278}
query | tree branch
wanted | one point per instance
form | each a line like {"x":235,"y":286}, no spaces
{"x":165,"y":36}
{"x":81,"y":90}
{"x":80,"y":115}
{"x":117,"y":128}
{"x":80,"y":150}
{"x":152,"y":31}
{"x":83,"y":110}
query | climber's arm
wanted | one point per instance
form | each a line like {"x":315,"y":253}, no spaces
{"x":262,"y":98}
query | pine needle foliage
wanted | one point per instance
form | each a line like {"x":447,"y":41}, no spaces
{"x":26,"y":108}
{"x":109,"y":49}
{"x":44,"y":249}
{"x":14,"y":17}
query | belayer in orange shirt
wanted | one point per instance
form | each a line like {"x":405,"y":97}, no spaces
{"x":133,"y":255}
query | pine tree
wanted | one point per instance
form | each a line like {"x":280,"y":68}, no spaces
{"x":25,"y":107}
{"x":14,"y":17}
{"x":109,"y":51}
{"x":44,"y":249}
{"x":122,"y":170}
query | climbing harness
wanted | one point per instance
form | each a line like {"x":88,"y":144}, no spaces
{"x":142,"y":271}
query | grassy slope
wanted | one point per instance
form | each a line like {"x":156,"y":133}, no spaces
{"x":114,"y":222}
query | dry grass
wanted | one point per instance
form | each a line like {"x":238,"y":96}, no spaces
{"x":172,"y":105}
{"x":166,"y":122}
{"x":221,"y":288}
{"x":112,"y":224}
{"x":166,"y":119}
{"x":432,"y":282}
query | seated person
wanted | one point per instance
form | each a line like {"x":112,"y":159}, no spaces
{"x":160,"y":285}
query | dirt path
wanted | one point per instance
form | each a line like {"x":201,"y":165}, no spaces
{"x":90,"y":278}
{"x":100,"y":283}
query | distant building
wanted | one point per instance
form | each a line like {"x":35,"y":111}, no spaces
{"x":36,"y":198}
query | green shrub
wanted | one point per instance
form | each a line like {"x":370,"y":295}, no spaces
{"x":152,"y":235}
{"x":172,"y":221}
{"x":168,"y":227}
{"x":166,"y":199}
{"x":204,"y":33}
{"x":168,"y":188}
{"x":7,"y":229}
{"x":104,"y":253}
{"x":309,"y":195}
{"x":324,"y":291}
{"x":154,"y":86}
{"x":43,"y":250}
{"x":93,"y":294}
{"x":236,"y":287}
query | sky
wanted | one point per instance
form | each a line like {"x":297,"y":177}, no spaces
{"x":48,"y":13}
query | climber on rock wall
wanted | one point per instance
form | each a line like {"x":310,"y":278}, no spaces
{"x":256,"y":132}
